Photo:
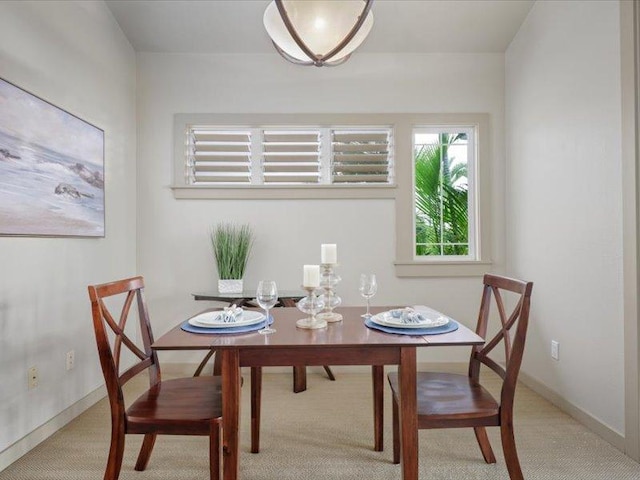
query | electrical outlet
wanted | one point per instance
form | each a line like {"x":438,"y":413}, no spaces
{"x":32,"y":377}
{"x":555,"y":350}
{"x":71,"y":359}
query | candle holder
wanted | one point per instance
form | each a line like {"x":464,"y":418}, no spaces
{"x":328,"y":281}
{"x":311,"y":305}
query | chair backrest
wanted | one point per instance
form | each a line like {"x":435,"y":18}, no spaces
{"x":517,"y":320}
{"x":129,"y":289}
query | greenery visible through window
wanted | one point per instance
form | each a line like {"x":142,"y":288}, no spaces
{"x":442,"y":160}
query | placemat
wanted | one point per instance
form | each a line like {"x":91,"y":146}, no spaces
{"x":187,"y":327}
{"x":449,"y":327}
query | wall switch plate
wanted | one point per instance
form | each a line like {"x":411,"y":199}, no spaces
{"x":71,"y":359}
{"x":555,"y":350}
{"x":32,"y":377}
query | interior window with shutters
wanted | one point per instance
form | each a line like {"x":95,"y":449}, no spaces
{"x":361,"y":156}
{"x":291,"y":156}
{"x":218,"y":156}
{"x":288,"y":156}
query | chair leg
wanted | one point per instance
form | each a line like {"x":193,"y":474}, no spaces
{"x":256,"y":394}
{"x":485,"y":445}
{"x":116,"y":451}
{"x":145,"y":451}
{"x":214,"y":451}
{"x":396,"y":430}
{"x":510,"y":452}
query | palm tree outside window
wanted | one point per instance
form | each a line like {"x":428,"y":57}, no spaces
{"x":443,"y":169}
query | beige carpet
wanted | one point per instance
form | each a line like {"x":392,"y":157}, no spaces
{"x":326,"y":433}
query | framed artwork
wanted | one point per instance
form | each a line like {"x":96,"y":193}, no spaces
{"x":51,"y":169}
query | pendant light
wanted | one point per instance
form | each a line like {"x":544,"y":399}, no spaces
{"x":318,"y":32}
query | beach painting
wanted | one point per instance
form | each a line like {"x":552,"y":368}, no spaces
{"x":51,"y":169}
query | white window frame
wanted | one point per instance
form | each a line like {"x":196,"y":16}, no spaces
{"x":407,"y":264}
{"x":472,"y":156}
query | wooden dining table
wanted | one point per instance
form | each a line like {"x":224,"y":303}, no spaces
{"x":348,"y":342}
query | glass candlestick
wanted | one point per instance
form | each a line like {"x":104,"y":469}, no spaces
{"x":311,"y":305}
{"x":328,"y":281}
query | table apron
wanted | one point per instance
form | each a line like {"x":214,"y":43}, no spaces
{"x":270,"y":357}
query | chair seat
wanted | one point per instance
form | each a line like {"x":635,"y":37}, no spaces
{"x":182,"y":406}
{"x":447,"y":397}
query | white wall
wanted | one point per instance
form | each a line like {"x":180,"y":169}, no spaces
{"x":173,"y":249}
{"x":564,"y":221}
{"x":74,"y":55}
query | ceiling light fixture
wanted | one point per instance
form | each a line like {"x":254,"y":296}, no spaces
{"x":318,"y":32}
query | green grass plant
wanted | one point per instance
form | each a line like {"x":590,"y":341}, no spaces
{"x":231,"y":247}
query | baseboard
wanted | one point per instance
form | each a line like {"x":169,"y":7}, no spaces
{"x":586,"y":419}
{"x":31,"y":440}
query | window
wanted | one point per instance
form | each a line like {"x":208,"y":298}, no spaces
{"x":270,"y":157}
{"x":218,"y":156}
{"x":443,"y":215}
{"x":443,"y":175}
{"x":361,"y":156}
{"x":290,"y":156}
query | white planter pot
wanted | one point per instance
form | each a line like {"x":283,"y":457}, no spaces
{"x":230,"y":286}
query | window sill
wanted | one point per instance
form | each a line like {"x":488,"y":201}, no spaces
{"x":288,"y":192}
{"x":442,"y":269}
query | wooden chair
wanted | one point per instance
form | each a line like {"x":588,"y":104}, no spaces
{"x":450,"y":401}
{"x":183,"y":406}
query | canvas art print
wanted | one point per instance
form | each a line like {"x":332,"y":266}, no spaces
{"x":51,"y":169}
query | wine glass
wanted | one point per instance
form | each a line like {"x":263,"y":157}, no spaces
{"x":368,"y":288}
{"x":267,"y":297}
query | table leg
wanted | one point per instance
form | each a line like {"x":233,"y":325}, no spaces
{"x":330,"y":374}
{"x":230,"y":412}
{"x":377,"y":376}
{"x":256,"y":394}
{"x":299,"y":371}
{"x":408,"y":413}
{"x":299,"y":378}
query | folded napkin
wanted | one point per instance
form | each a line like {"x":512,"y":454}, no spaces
{"x":408,"y":315}
{"x":231,"y":314}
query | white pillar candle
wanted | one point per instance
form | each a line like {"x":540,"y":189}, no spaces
{"x":329,"y":253}
{"x":311,"y":276}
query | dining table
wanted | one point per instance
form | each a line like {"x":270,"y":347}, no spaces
{"x":286,"y":298}
{"x":348,"y":342}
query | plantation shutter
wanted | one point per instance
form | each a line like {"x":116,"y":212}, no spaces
{"x":291,"y":156}
{"x":219,"y":156}
{"x":361,"y":156}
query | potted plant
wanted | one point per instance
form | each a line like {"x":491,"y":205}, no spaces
{"x":231,"y":248}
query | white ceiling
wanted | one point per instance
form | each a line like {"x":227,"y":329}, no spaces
{"x":400,"y":26}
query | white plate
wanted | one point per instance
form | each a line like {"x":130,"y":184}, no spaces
{"x":215,"y":319}
{"x":430,"y":320}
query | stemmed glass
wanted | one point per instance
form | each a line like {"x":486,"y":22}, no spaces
{"x":267,"y":297}
{"x":368,"y":288}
